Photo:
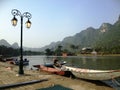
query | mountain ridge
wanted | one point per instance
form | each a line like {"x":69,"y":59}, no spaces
{"x":90,"y":37}
{"x":106,"y":35}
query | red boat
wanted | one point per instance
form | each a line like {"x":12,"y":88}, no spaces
{"x":54,"y":70}
{"x":50,"y":69}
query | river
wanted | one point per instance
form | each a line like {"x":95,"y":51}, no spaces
{"x":89,"y":62}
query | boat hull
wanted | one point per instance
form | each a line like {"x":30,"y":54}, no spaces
{"x":93,"y":74}
{"x":50,"y":69}
{"x":17,"y":62}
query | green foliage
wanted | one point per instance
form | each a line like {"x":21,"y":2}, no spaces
{"x":32,"y":53}
{"x":105,"y":39}
{"x":48,"y":52}
{"x":109,"y":41}
{"x":8,"y":51}
{"x":58,"y":51}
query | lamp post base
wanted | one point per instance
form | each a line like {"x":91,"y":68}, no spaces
{"x":18,"y":75}
{"x":21,"y":71}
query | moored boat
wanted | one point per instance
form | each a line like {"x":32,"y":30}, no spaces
{"x":46,"y":65}
{"x":17,"y":62}
{"x":49,"y":64}
{"x":50,"y":69}
{"x":92,"y":74}
{"x":53,"y":70}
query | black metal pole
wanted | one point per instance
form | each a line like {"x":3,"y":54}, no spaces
{"x":21,"y":71}
{"x":16,"y":12}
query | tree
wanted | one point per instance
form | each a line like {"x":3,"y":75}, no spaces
{"x":8,"y":51}
{"x":48,"y":52}
{"x":74,"y":48}
{"x":58,"y":51}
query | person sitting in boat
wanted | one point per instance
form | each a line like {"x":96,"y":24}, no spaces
{"x":25,"y":59}
{"x":56,"y":63}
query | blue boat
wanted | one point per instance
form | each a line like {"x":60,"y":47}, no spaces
{"x":25,"y":62}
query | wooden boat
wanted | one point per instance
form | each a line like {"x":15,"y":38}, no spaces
{"x":46,"y":65}
{"x":25,"y":62}
{"x":50,"y":69}
{"x":17,"y":62}
{"x":49,"y":64}
{"x":2,"y":59}
{"x":92,"y":74}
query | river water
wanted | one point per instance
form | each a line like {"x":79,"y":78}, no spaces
{"x":88,"y":62}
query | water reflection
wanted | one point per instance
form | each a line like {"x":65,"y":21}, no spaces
{"x":91,"y":62}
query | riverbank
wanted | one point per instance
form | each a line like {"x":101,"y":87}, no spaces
{"x":98,"y":55}
{"x":8,"y":75}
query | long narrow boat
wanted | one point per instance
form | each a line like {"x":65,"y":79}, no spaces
{"x":50,"y":69}
{"x":17,"y":62}
{"x":46,"y":65}
{"x":92,"y":74}
{"x":49,"y":64}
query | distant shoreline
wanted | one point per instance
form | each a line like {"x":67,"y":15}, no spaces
{"x":99,"y":55}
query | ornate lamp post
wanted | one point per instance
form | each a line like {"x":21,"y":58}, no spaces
{"x":27,"y":15}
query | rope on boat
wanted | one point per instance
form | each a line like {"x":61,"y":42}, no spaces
{"x":115,"y":81}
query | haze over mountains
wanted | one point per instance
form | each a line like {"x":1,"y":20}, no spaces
{"x":106,"y":35}
{"x":5,"y":43}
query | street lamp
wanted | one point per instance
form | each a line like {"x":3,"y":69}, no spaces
{"x":27,"y":15}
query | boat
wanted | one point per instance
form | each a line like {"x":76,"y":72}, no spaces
{"x":53,"y":70}
{"x":17,"y":62}
{"x":50,"y":69}
{"x":92,"y":74}
{"x":49,"y":64}
{"x":46,"y":65}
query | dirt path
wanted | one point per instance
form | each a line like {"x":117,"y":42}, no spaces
{"x":8,"y":75}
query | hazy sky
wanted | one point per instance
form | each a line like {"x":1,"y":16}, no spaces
{"x":53,"y":20}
